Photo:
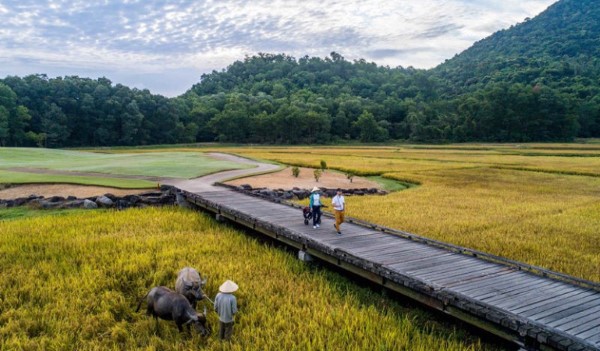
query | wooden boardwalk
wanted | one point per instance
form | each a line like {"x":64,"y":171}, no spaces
{"x":533,"y":307}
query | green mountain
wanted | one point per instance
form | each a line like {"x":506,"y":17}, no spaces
{"x":560,"y":48}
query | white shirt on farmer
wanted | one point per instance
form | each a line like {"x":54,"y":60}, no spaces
{"x":338,"y":202}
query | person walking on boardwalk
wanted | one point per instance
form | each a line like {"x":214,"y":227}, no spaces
{"x":226,"y":308}
{"x":315,"y":207}
{"x":339,"y":206}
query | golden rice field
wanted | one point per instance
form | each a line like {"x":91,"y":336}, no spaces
{"x":72,"y":282}
{"x":542,"y":210}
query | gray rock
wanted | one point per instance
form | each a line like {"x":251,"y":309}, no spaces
{"x":21,"y":201}
{"x":89,"y":204}
{"x":104,"y":201}
{"x":112,"y":197}
{"x":47,"y":204}
{"x":151,"y":193}
{"x":122,"y":204}
{"x":56,"y":199}
{"x":72,"y":204}
{"x":165,"y":187}
{"x":246,"y":187}
{"x":133,"y":199}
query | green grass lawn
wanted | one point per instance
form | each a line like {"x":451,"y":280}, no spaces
{"x":161,"y":164}
{"x":15,"y":213}
{"x":390,"y":184}
{"x":9,"y":177}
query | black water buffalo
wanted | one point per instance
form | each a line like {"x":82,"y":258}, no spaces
{"x":167,"y":304}
{"x":190,"y":284}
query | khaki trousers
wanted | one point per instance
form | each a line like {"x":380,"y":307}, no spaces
{"x":339,"y":219}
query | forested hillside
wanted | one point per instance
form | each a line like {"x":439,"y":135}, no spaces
{"x":536,"y":81}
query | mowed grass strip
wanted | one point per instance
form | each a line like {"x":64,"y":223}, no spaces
{"x":9,"y":177}
{"x":156,"y":164}
{"x":73,"y":282}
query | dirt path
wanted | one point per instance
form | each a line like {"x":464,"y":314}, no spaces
{"x":205,"y":183}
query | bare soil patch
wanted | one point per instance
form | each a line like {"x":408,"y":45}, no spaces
{"x":284,"y":180}
{"x":64,"y":190}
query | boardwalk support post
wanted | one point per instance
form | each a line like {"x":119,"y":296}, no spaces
{"x":220,"y":218}
{"x":304,"y":256}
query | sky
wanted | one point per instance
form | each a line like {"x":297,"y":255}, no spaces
{"x":165,"y":46}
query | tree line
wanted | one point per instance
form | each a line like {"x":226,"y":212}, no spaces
{"x":278,"y":99}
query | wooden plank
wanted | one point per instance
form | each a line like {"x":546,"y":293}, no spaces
{"x":422,"y":253}
{"x":419,"y":263}
{"x":531,"y":295}
{"x":404,"y":259}
{"x":539,"y":298}
{"x":388,"y":250}
{"x":349,"y":245}
{"x":390,"y":256}
{"x":413,"y":268}
{"x":415,"y":260}
{"x":444,"y":280}
{"x":525,"y":297}
{"x":267,"y":212}
{"x":364,"y":232}
{"x":278,"y":217}
{"x":503,"y":281}
{"x":512,"y":292}
{"x":465,"y":272}
{"x":379,"y":248}
{"x":578,"y":328}
{"x":589,"y":333}
{"x":478,"y":280}
{"x":574,"y":319}
{"x":565,"y":307}
{"x":401,"y":252}
{"x":408,"y":257}
{"x":553,"y":301}
{"x":496,"y":281}
{"x":594,"y":339}
{"x":342,"y":242}
{"x":465,"y":264}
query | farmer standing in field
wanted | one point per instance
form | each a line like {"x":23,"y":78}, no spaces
{"x":315,"y":207}
{"x":226,"y":308}
{"x":339,"y":206}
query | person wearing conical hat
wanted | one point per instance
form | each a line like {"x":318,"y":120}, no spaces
{"x":315,"y":206}
{"x":226,"y":308}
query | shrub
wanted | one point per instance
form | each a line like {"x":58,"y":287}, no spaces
{"x":295,"y":171}
{"x":323,"y":165}
{"x":350,"y":175}
{"x":317,"y":173}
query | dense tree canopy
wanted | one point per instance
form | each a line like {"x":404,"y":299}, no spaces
{"x":537,"y":81}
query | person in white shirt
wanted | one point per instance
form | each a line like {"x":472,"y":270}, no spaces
{"x":339,"y":206}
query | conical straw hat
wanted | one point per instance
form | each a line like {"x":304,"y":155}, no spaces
{"x":315,"y":189}
{"x":228,"y":287}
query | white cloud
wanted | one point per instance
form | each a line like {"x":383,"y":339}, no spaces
{"x":149,"y":37}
